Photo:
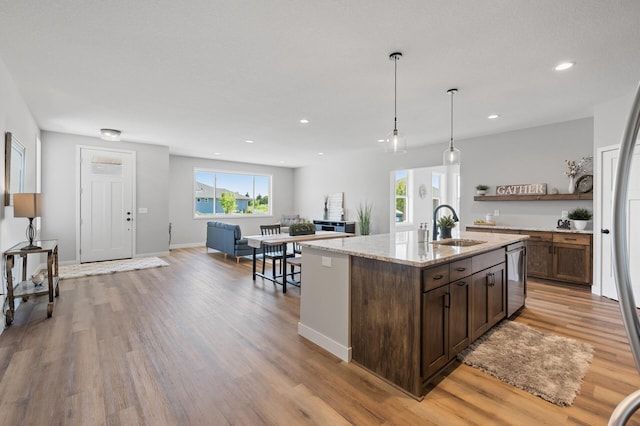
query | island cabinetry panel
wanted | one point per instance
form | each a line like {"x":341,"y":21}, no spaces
{"x":386,"y":319}
{"x":409,"y":322}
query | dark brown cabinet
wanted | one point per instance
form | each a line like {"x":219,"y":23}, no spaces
{"x":445,"y":324}
{"x":559,"y":256}
{"x":572,"y":258}
{"x":489,"y":299}
{"x":539,"y":254}
{"x":408,"y":322}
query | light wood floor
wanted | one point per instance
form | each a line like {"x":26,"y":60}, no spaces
{"x":198,"y":342}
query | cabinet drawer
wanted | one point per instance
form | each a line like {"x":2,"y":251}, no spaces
{"x":538,"y":236}
{"x":460,"y":269}
{"x":435,"y":277}
{"x":581,"y":239}
{"x":487,"y":260}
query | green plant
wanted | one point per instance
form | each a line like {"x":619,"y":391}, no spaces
{"x":580,"y":213}
{"x":446,"y":222}
{"x":228,"y":202}
{"x":364,"y":218}
{"x":482,"y":187}
{"x":302,"y":228}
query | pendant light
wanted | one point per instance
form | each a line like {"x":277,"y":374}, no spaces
{"x":395,"y":142}
{"x":451,"y":155}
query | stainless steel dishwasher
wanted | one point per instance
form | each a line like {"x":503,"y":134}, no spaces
{"x":516,"y":277}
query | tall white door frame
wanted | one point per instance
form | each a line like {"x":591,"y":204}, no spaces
{"x":604,"y":281}
{"x":79,"y":149}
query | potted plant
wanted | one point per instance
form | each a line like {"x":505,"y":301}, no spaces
{"x":580,"y":216}
{"x":364,"y":218}
{"x":445,"y":223}
{"x":302,"y":228}
{"x":481,"y":189}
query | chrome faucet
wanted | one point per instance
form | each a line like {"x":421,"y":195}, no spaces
{"x":435,"y":224}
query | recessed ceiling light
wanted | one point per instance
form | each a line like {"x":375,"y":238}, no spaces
{"x":281,"y":161}
{"x":249,"y":141}
{"x":321,"y":153}
{"x":217,"y":153}
{"x":380,"y":140}
{"x":564,"y":66}
{"x":493,"y":116}
{"x":304,"y":121}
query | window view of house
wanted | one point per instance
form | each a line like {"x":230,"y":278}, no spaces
{"x":401,"y":196}
{"x":218,"y":194}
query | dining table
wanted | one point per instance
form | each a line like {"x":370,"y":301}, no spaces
{"x":256,"y":242}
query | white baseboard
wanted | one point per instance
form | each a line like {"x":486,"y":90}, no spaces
{"x":187,"y":245}
{"x":158,"y":254}
{"x":328,"y":344}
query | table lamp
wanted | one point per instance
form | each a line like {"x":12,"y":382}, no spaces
{"x":27,"y":205}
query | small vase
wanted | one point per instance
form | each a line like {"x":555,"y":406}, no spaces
{"x":326,"y":214}
{"x":572,"y":185}
{"x":580,"y":225}
{"x":444,"y":233}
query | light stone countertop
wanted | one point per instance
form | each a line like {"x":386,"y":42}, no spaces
{"x":403,"y":247}
{"x":540,"y":229}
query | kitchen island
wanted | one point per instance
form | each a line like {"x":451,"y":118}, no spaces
{"x":400,"y":308}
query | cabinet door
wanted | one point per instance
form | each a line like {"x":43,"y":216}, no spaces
{"x":540,"y":259}
{"x":572,"y":262}
{"x":459,"y":327}
{"x":435,"y":328}
{"x":479,"y":309}
{"x":497,"y":294}
{"x":488,"y":299}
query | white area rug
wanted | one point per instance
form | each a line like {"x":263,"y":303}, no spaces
{"x":109,"y":267}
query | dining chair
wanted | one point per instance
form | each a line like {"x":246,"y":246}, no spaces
{"x":295,"y":262}
{"x":274,"y":253}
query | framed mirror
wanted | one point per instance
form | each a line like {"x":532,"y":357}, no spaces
{"x":14,"y":163}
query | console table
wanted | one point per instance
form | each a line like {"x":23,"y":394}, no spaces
{"x":26,"y":287}
{"x":335,"y":225}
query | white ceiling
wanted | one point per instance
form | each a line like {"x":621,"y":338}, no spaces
{"x":203,"y":76}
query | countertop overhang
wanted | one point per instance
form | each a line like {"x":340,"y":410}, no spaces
{"x":403,"y":247}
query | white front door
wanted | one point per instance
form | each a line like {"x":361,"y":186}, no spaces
{"x":106,"y":204}
{"x":609,"y":161}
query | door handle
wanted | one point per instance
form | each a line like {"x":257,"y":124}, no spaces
{"x":604,"y":231}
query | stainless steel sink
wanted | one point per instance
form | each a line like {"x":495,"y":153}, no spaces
{"x":458,"y":242}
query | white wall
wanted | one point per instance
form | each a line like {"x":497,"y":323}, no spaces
{"x":534,"y":155}
{"x":187,"y":231}
{"x":525,"y":156}
{"x":16,"y":118}
{"x":59,"y":171}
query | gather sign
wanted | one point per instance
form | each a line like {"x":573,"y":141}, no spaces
{"x":525,"y":189}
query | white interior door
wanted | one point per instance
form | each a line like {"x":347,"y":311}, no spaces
{"x":106,"y":205}
{"x":609,"y":161}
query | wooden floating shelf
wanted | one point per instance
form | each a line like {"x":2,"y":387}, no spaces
{"x":545,"y":197}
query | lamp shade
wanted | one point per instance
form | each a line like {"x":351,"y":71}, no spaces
{"x":26,"y":205}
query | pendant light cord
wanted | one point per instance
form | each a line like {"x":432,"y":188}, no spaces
{"x":452,"y":92}
{"x":395,"y":94}
{"x":451,"y":140}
